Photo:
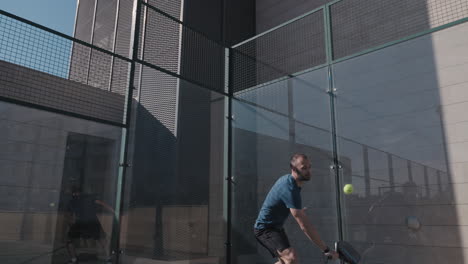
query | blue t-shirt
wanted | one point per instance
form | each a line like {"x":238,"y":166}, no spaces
{"x":285,"y":194}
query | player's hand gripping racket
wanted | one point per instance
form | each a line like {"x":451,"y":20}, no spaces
{"x":347,"y":252}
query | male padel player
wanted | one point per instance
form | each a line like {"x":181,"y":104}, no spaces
{"x":285,"y":198}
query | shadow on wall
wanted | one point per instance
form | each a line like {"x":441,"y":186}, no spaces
{"x":399,"y":117}
{"x":173,"y":208}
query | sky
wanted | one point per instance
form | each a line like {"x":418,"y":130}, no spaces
{"x":34,"y":48}
{"x":55,"y":14}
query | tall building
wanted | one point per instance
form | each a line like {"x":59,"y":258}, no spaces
{"x":172,"y":142}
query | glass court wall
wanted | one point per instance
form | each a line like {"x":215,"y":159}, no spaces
{"x":174,"y":191}
{"x":374,"y":93}
{"x":406,"y":204}
{"x":140,"y":134}
{"x":270,"y":124}
{"x":60,"y":145}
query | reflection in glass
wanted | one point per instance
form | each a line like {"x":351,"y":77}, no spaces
{"x":391,"y":129}
{"x":42,"y":156}
{"x":173,"y":194}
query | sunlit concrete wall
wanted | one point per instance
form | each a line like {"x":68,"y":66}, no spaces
{"x":407,"y":104}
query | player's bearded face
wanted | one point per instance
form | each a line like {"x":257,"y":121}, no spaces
{"x":303,"y":170}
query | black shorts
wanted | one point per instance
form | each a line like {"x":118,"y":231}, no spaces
{"x":272,"y":239}
{"x":86,"y":230}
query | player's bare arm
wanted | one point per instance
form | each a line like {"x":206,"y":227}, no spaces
{"x":105,"y":205}
{"x":310,"y":231}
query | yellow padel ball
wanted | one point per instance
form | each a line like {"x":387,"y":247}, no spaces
{"x":348,"y":188}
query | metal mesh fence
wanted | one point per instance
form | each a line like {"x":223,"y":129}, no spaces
{"x":103,"y":37}
{"x":297,"y":46}
{"x":31,"y":47}
{"x":202,"y":60}
{"x":178,"y":48}
{"x":103,"y":32}
{"x":37,"y":69}
{"x":271,"y":14}
{"x":95,"y":24}
{"x":100,"y":70}
{"x":141,"y":31}
{"x":175,"y":173}
{"x":162,"y":41}
{"x":84,"y":20}
{"x":79,"y":64}
{"x":124,"y":28}
{"x":34,"y":87}
{"x":80,"y":56}
{"x":172,"y":8}
{"x":359,"y":25}
{"x":158,"y":95}
{"x":166,"y":43}
{"x":355,"y":26}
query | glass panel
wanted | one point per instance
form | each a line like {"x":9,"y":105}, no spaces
{"x":270,"y":124}
{"x":174,"y":190}
{"x":396,"y":136}
{"x":57,"y":184}
{"x":295,"y":47}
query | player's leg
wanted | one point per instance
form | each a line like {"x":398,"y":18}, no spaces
{"x":97,"y":233}
{"x":71,"y":252}
{"x":72,"y":236}
{"x":277,"y":243}
{"x":288,"y":256}
{"x":103,"y":243}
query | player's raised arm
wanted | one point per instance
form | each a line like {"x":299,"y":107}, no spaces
{"x":105,"y":205}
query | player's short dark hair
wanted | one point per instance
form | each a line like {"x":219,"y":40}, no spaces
{"x":292,"y":161}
